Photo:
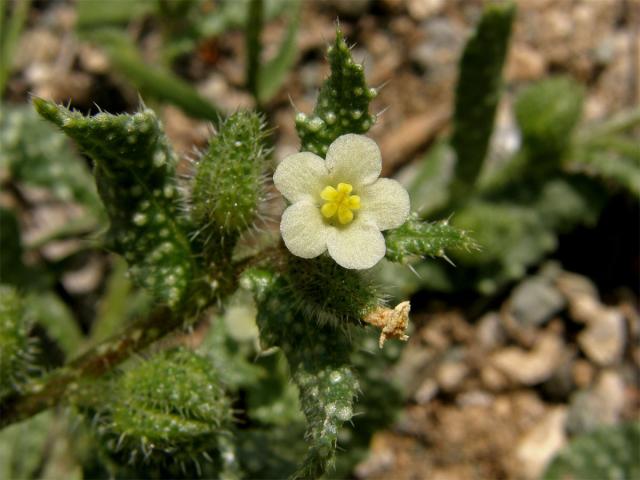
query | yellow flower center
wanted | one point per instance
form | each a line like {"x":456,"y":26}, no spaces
{"x":339,"y":201}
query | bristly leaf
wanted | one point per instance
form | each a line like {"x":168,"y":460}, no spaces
{"x":478,"y":90}
{"x":343,"y":103}
{"x":319,"y":360}
{"x":135,"y":174}
{"x":165,"y":412}
{"x":418,"y":239}
{"x":229,"y":178}
{"x":228,"y":188}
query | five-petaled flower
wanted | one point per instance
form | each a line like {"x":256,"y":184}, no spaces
{"x":339,"y":204}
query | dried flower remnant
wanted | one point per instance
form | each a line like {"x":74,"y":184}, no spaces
{"x":393,"y":322}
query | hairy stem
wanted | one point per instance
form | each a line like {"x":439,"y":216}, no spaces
{"x":50,"y":390}
{"x":47,"y":392}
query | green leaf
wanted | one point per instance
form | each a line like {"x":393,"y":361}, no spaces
{"x":46,"y":309}
{"x":269,"y":452}
{"x":12,"y":269}
{"x":37,"y":155}
{"x":273,"y":400}
{"x":165,"y":412}
{"x":255,"y":11}
{"x":274,"y":72}
{"x":135,"y":174}
{"x":227,"y":191}
{"x":429,"y":187}
{"x":228,"y":183}
{"x":343,"y":103}
{"x":9,"y":36}
{"x":547,"y":113}
{"x":120,"y":304}
{"x":233,"y":14}
{"x":318,"y":357}
{"x":232,"y":358}
{"x":151,"y":80}
{"x":381,"y":401}
{"x":608,"y":453}
{"x":512,"y":238}
{"x":478,"y":90}
{"x":92,"y":14}
{"x":23,"y":446}
{"x":614,"y":159}
{"x":564,"y":203}
{"x":418,"y":239}
{"x":16,"y":352}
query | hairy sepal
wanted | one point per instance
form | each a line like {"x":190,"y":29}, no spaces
{"x":343,"y":103}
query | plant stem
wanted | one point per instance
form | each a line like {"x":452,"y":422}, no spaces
{"x":49,"y":391}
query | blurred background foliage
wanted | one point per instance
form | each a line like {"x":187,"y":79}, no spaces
{"x":60,"y":294}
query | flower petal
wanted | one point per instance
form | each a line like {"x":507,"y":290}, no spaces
{"x":385,"y":202}
{"x":303,"y":230}
{"x":358,"y":246}
{"x":354,"y":159}
{"x":301,"y":176}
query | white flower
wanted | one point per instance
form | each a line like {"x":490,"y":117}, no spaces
{"x":339,"y":204}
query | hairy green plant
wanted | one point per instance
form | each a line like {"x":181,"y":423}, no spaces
{"x":516,"y":205}
{"x":228,"y":184}
{"x":607,"y":453}
{"x":342,"y":105}
{"x":420,"y":239}
{"x":319,"y":361}
{"x":478,"y":91}
{"x":191,"y":246}
{"x":135,"y":175}
{"x":168,"y":412}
